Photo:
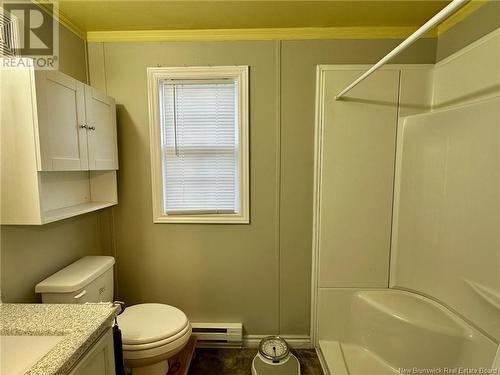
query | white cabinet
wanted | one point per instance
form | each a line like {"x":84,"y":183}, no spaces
{"x":58,"y":150}
{"x":60,"y":105}
{"x":77,"y":124}
{"x":101,"y":122}
{"x":99,"y":360}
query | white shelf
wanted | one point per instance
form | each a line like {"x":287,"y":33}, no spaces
{"x":66,"y":212}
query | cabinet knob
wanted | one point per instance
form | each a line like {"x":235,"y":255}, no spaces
{"x":83,"y":126}
{"x":92,"y":128}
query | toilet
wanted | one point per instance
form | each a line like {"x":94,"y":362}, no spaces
{"x":152,"y":333}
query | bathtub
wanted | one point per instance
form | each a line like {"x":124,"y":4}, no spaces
{"x":393,"y":332}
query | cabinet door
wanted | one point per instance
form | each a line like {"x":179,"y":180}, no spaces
{"x":99,"y":360}
{"x":61,"y":117}
{"x":101,"y":121}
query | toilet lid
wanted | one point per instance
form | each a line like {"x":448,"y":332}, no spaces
{"x":150,"y":322}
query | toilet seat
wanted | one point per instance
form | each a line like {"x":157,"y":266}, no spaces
{"x":164,"y":350}
{"x":151,"y":323}
{"x":155,"y":344}
{"x":151,"y":331}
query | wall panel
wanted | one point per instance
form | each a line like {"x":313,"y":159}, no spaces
{"x":259,"y":274}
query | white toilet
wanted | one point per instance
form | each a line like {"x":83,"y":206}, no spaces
{"x":151,"y":332}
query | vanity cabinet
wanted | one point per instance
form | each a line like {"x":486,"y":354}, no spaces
{"x":58,"y":147}
{"x":100,"y":359}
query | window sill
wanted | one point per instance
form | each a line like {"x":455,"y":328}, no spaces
{"x":201,"y":219}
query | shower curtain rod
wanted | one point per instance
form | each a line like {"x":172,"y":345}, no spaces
{"x":438,"y":18}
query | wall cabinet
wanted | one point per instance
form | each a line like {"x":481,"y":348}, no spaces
{"x":58,"y":147}
{"x":100,"y":112}
{"x":77,"y":125}
{"x":60,"y":109}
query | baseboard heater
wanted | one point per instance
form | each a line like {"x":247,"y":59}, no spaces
{"x":212,"y":335}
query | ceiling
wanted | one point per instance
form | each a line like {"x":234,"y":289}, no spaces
{"x":101,"y":20}
{"x":182,"y":15}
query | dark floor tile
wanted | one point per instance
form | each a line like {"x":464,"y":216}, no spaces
{"x":239,"y":362}
{"x":309,"y":362}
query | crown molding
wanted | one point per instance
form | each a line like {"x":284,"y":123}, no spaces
{"x":61,"y":17}
{"x":254,"y":34}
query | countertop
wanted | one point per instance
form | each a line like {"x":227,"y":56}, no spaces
{"x":80,"y":324}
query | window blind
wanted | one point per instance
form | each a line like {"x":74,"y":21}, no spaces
{"x":199,"y":146}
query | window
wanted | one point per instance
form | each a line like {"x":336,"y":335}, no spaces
{"x":199,"y":144}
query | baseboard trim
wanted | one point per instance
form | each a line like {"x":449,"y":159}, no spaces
{"x":295,"y":341}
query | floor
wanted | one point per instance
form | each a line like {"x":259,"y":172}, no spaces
{"x":239,"y":362}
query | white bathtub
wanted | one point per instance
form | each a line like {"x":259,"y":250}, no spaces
{"x":388,"y":331}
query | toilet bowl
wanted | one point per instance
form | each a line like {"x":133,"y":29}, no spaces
{"x":152,"y":333}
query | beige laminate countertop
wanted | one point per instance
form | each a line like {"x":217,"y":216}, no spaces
{"x":81,"y":325}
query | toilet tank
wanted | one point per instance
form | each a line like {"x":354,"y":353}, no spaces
{"x":89,"y":279}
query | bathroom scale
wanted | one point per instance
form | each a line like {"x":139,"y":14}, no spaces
{"x":274,"y":358}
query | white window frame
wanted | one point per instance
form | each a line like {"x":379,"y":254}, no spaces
{"x":240,"y":75}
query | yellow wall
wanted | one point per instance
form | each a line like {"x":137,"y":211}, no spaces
{"x":259,"y":273}
{"x":31,"y":253}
